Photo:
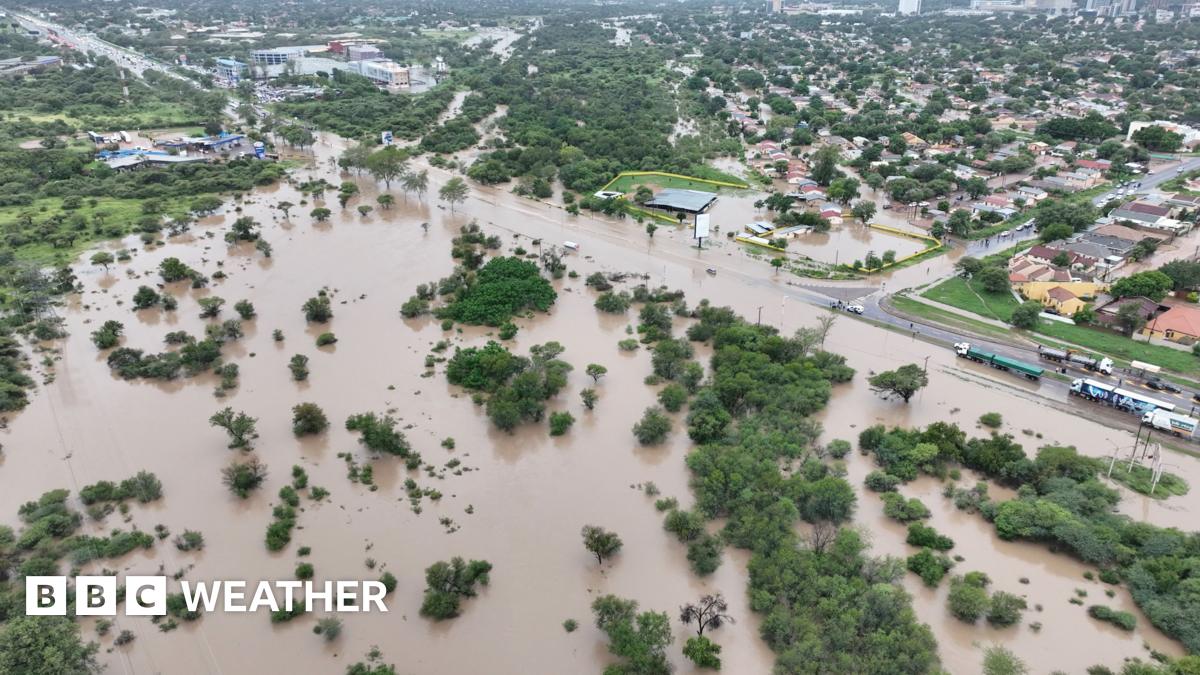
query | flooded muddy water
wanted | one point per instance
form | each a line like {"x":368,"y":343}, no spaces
{"x":847,"y":240}
{"x":527,"y":495}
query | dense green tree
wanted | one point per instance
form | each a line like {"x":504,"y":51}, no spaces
{"x":1151,"y":284}
{"x":45,"y":645}
{"x":447,"y":583}
{"x":308,"y":418}
{"x":653,"y":428}
{"x":1027,"y":314}
{"x":640,"y":640}
{"x":902,"y":382}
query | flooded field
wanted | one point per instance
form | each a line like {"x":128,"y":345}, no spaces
{"x":527,"y":495}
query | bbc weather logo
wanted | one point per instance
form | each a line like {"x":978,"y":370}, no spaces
{"x":147,"y":596}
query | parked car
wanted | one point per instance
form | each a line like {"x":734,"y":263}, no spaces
{"x":1163,"y":385}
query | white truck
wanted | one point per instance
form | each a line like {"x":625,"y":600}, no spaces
{"x":1072,"y":357}
{"x":1180,"y":425}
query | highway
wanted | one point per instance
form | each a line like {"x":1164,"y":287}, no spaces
{"x":86,"y":42}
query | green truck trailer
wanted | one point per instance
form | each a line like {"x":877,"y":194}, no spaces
{"x":966,"y":351}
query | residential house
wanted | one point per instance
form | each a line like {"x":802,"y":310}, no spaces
{"x":1060,"y":300}
{"x":1180,"y":323}
{"x":1080,"y":288}
{"x":830,"y":211}
{"x":1140,"y":219}
{"x":1024,"y":271}
{"x":1031,"y":194}
{"x":1114,"y":230}
{"x":1116,"y":246}
{"x":1046,"y":254}
{"x":914,"y":141}
{"x":1108,"y":261}
{"x":1004,"y":212}
{"x":1106,"y":312}
{"x":1064,"y":148}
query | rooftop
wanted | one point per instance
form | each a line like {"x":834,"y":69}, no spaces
{"x":688,"y":201}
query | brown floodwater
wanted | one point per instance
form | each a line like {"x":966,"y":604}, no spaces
{"x":527,"y":495}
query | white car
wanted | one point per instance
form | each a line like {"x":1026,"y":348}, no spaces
{"x":856,"y":309}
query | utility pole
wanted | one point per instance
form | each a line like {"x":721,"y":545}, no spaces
{"x":759,"y":322}
{"x":926,"y":365}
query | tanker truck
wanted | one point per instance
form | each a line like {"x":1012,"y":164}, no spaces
{"x":1074,"y":358}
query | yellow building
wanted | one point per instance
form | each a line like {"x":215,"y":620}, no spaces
{"x":1181,"y":323}
{"x":1062,"y":301}
{"x":1037,"y":290}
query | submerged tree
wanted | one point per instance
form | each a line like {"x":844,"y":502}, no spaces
{"x":600,"y":542}
{"x":639,"y":639}
{"x":308,"y":418}
{"x":454,"y":192}
{"x":240,"y":427}
{"x":447,"y":583}
{"x":903,"y":381}
{"x":707,"y":613}
{"x":242,"y":478}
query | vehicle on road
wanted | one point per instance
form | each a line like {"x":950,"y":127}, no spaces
{"x":855,"y":309}
{"x":1180,"y":425}
{"x":711,"y":270}
{"x":571,"y":245}
{"x":1121,"y":399}
{"x":1160,"y":384}
{"x":1027,"y":370}
{"x":1074,"y":358}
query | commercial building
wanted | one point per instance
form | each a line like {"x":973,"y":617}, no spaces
{"x":363,"y":53}
{"x":224,"y":142}
{"x":230,"y":70}
{"x":682,"y":201}
{"x":276,"y":56}
{"x":909,"y":7}
{"x":1191,"y":135}
{"x":384,"y":73}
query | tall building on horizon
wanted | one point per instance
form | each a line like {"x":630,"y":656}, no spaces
{"x":909,"y":7}
{"x":777,"y":6}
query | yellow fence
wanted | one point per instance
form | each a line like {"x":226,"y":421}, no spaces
{"x":932,"y":243}
{"x":718,"y":183}
{"x":662,"y":216}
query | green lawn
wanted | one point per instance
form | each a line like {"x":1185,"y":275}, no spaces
{"x":948,"y":319}
{"x":1007,"y":254}
{"x":969,"y":295}
{"x":1120,"y":347}
{"x":630,"y":183}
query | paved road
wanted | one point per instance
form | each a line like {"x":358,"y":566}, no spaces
{"x":1151,"y":181}
{"x":876,"y":312}
{"x":85,"y":42}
